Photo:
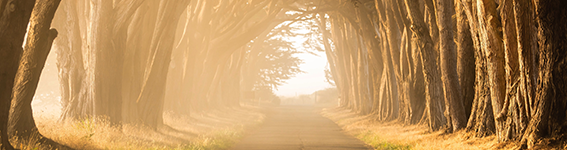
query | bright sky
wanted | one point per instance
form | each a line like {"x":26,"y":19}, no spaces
{"x":314,"y":77}
{"x":312,"y":80}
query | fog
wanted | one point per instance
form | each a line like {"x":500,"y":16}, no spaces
{"x":312,"y":80}
{"x":172,"y":72}
{"x":47,"y":100}
{"x":282,"y":74}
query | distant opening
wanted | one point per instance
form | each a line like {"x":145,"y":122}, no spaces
{"x":303,"y":87}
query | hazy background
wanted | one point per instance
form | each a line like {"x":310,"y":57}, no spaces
{"x":312,"y":80}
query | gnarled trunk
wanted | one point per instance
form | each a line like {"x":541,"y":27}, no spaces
{"x":14,"y":18}
{"x":38,"y":45}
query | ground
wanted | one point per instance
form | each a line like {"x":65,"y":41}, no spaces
{"x":215,"y":129}
{"x":260,"y":127}
{"x":393,"y":135}
{"x":298,"y":127}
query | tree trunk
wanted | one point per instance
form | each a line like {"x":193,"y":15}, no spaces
{"x":549,"y":115}
{"x":492,"y":45}
{"x":392,"y":31}
{"x":481,"y":119}
{"x":151,"y":98}
{"x":527,"y":46}
{"x":465,"y":62}
{"x":433,"y":83}
{"x":14,"y":18}
{"x":450,"y":78}
{"x":72,"y":73}
{"x":37,"y":48}
{"x":108,"y":62}
{"x":417,"y":85}
{"x":514,"y":109}
{"x":135,"y":64}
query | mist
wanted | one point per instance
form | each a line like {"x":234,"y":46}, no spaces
{"x":282,"y":74}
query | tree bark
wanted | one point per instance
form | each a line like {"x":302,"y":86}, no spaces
{"x":450,"y":78}
{"x":513,"y":112}
{"x":465,"y":62}
{"x":434,"y":95}
{"x":150,"y":101}
{"x":550,"y":103}
{"x":72,"y":73}
{"x":14,"y":18}
{"x":491,"y":39}
{"x":37,"y":48}
{"x":108,"y":63}
{"x":481,"y":119}
{"x":527,"y":51}
{"x":527,"y":46}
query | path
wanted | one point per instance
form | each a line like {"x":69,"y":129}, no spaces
{"x":298,"y":127}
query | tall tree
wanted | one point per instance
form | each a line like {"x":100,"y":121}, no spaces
{"x":70,"y":62}
{"x":481,"y":119}
{"x":38,"y":45}
{"x":14,"y":18}
{"x":452,"y":88}
{"x":550,"y":104}
{"x":494,"y":51}
{"x":465,"y":62}
{"x":150,"y":101}
{"x":434,"y":96}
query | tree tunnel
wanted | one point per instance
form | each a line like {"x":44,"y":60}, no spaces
{"x":489,"y":67}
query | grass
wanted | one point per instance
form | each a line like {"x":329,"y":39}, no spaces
{"x":217,"y":140}
{"x":393,"y":135}
{"x":373,"y":139}
{"x":219,"y":129}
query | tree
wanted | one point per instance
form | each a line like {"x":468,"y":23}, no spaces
{"x":14,"y":17}
{"x":90,"y":88}
{"x":93,"y":85}
{"x":453,"y":94}
{"x":72,"y":73}
{"x":481,"y":118}
{"x":466,"y":58}
{"x":271,"y":63}
{"x":434,"y":103}
{"x":549,"y":106}
{"x":150,"y":100}
{"x":38,"y":45}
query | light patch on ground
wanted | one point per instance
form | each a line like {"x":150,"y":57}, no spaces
{"x":216,"y":129}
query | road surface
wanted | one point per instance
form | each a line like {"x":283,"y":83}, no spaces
{"x":298,"y":128}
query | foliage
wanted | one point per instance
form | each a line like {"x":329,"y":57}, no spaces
{"x":274,"y":63}
{"x":329,"y":77}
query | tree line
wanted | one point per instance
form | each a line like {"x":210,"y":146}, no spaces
{"x":491,"y":67}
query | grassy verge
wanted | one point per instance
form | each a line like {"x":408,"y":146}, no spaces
{"x":218,"y":129}
{"x":223,"y":139}
{"x":393,"y":135}
{"x":373,"y":139}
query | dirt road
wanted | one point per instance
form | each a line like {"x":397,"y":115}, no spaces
{"x":298,"y":127}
